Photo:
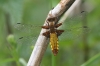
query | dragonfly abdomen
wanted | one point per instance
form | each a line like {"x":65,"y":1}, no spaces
{"x":54,"y":43}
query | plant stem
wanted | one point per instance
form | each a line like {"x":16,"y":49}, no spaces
{"x":54,"y":60}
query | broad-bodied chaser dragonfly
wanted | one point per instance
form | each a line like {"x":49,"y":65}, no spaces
{"x":72,"y":29}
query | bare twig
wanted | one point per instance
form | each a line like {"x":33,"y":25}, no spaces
{"x":42,"y":42}
{"x":70,"y":10}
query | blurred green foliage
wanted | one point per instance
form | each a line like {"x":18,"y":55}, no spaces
{"x":72,"y":52}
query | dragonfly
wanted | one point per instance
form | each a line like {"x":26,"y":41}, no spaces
{"x":72,"y":29}
{"x":53,"y":34}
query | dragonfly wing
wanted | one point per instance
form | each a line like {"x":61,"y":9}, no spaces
{"x":74,"y":27}
{"x":26,"y":33}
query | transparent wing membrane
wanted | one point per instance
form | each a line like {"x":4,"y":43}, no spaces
{"x":73,"y":27}
{"x":26,"y":33}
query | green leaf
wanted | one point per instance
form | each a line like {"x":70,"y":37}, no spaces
{"x":92,"y":60}
{"x":6,"y":61}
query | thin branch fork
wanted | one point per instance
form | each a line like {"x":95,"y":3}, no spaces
{"x":42,"y":41}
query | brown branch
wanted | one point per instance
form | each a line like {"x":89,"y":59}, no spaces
{"x":70,"y":10}
{"x":42,"y":42}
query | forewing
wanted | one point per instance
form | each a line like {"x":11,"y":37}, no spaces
{"x":26,"y":34}
{"x":74,"y":27}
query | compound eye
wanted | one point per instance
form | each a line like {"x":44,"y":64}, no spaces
{"x":51,"y":19}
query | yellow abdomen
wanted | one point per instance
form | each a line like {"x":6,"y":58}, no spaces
{"x":54,"y":43}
